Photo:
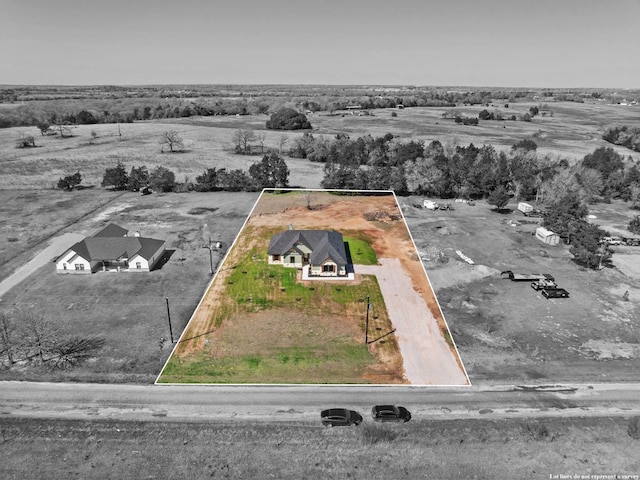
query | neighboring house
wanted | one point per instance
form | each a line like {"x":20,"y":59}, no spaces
{"x":322,"y":250}
{"x":111,"y":249}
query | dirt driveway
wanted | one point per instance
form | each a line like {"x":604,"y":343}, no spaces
{"x":427,"y":358}
{"x":56,"y":247}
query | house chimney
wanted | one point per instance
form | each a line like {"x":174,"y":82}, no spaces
{"x":291,"y":226}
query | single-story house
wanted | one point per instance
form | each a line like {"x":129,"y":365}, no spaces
{"x":322,"y":250}
{"x":111,"y":249}
{"x":547,"y":236}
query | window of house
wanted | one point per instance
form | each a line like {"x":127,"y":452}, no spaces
{"x":276,"y":258}
{"x":138,"y":265}
{"x":79,"y":266}
{"x":327,"y":268}
{"x":292,"y":259}
{"x":64,"y":266}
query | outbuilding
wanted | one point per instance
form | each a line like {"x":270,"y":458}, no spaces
{"x":547,"y":236}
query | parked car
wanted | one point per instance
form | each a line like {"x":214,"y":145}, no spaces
{"x":390,"y":413}
{"x":554,"y":293}
{"x":340,"y":417}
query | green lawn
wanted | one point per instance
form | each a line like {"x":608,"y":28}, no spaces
{"x":361,"y":251}
{"x":276,"y":330}
{"x":337,"y":361}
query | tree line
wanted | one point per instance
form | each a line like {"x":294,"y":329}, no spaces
{"x":623,"y":135}
{"x":450,"y":170}
{"x":270,"y":172}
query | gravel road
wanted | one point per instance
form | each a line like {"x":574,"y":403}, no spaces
{"x":428,"y":360}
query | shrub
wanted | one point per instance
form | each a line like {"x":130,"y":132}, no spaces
{"x":537,"y":431}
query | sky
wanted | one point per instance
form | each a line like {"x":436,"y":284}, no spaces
{"x":493,"y":43}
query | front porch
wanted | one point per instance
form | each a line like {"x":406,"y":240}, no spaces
{"x":349,"y":276}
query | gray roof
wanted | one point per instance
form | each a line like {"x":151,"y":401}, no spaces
{"x":323,"y":244}
{"x":110,"y":243}
{"x":114,"y":248}
{"x":112,"y":230}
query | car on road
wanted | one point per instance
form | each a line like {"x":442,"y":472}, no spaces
{"x":340,"y":417}
{"x":554,"y":293}
{"x":390,"y":413}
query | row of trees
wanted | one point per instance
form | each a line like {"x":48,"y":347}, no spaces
{"x":451,"y":170}
{"x":270,"y":172}
{"x":119,"y":107}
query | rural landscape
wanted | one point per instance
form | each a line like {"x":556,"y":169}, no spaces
{"x":214,"y":172}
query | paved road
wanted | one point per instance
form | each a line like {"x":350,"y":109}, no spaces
{"x":428,"y":360}
{"x":56,"y":247}
{"x":303,"y":403}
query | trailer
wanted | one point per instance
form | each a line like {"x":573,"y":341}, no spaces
{"x":526,"y":277}
{"x":525,"y":207}
{"x":543,"y":283}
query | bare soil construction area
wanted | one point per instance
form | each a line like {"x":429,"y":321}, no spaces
{"x":316,"y":336}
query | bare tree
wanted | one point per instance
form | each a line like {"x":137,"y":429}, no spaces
{"x":261,"y":137}
{"x":242,"y":139}
{"x":282,"y":143}
{"x":309,"y":197}
{"x":39,"y":335}
{"x":173,"y":140}
{"x":7,"y":338}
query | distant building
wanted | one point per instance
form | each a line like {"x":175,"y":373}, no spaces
{"x":111,"y":249}
{"x":322,"y":250}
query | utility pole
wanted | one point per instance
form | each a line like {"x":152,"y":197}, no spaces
{"x":169,"y":317}
{"x":366,"y":324}
{"x":208,"y":247}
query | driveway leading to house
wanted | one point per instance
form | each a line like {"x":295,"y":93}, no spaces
{"x":56,"y":247}
{"x":427,"y":358}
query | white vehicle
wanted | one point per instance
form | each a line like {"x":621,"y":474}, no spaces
{"x":430,"y":204}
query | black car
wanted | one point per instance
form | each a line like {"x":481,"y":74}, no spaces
{"x":390,"y":413}
{"x":555,"y":293}
{"x":340,"y":417}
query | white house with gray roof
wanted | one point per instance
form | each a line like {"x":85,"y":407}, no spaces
{"x":111,"y":249}
{"x":323,"y":251}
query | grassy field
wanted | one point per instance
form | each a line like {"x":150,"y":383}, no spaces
{"x":268,"y":327}
{"x":461,"y":449}
{"x":207,"y":145}
{"x":572,"y":131}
